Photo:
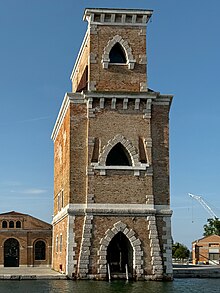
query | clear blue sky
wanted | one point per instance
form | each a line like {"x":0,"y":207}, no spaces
{"x":39,"y":42}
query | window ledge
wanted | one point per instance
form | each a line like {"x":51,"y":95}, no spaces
{"x":136,"y":169}
{"x":118,"y":64}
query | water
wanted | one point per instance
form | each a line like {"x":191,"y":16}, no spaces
{"x":64,"y":286}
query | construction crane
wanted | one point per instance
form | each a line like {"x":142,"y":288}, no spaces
{"x":204,"y":204}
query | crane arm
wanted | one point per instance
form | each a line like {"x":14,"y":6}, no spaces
{"x":204,"y":204}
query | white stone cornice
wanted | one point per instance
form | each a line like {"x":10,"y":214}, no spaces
{"x":119,"y":95}
{"x":116,"y":209}
{"x":125,"y":17}
{"x":163,"y":100}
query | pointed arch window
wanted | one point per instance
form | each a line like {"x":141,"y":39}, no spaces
{"x":118,"y":156}
{"x":117,"y":54}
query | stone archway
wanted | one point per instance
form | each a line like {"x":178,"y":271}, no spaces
{"x":120,"y":254}
{"x":133,"y":153}
{"x":127,"y":49}
{"x":11,"y":253}
{"x":137,"y":253}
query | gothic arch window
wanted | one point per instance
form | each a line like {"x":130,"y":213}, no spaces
{"x":11,"y":224}
{"x":18,"y":224}
{"x":118,"y":51}
{"x":118,"y":156}
{"x":4,"y":224}
{"x":39,"y":250}
{"x":117,"y":54}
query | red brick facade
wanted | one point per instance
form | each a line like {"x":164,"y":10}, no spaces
{"x":206,"y":250}
{"x":99,"y":204}
{"x":24,"y":241}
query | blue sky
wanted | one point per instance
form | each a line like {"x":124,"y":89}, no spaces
{"x":39,"y":42}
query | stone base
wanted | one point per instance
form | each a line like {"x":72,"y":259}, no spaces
{"x":104,"y":277}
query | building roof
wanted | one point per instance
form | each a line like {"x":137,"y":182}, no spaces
{"x":13,"y":213}
{"x":206,"y":238}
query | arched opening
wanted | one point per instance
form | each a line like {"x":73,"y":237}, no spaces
{"x":40,"y":250}
{"x":18,"y":224}
{"x":4,"y":224}
{"x":118,"y":156}
{"x":117,"y":54}
{"x":11,"y":224}
{"x":120,"y":254}
{"x":11,"y":253}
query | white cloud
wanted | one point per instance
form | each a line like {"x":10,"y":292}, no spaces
{"x":30,"y":191}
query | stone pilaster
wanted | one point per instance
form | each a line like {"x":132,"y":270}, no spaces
{"x":156,"y":260}
{"x":71,"y":246}
{"x":167,"y":247}
{"x":83,"y":264}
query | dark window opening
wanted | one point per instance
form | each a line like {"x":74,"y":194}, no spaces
{"x":11,"y":224}
{"x":118,"y":156}
{"x":142,"y":151}
{"x":18,"y":224}
{"x":4,"y":224}
{"x":117,"y":54}
{"x":39,"y":250}
{"x":95,"y":154}
{"x":120,"y":254}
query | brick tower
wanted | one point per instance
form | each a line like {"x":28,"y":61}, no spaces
{"x":111,"y":158}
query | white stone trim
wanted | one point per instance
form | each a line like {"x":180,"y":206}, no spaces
{"x":71,"y":245}
{"x":136,"y":167}
{"x":118,"y":95}
{"x":126,"y":143}
{"x":167,"y":247}
{"x":127,"y":49}
{"x":84,"y":254}
{"x":134,"y":241}
{"x":128,"y":17}
{"x":156,"y":260}
{"x":92,"y":86}
{"x":92,"y":58}
{"x":142,"y":209}
{"x":78,"y":59}
{"x":143,"y":87}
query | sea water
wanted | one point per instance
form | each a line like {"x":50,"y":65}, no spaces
{"x":67,"y":286}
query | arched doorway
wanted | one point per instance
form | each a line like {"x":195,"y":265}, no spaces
{"x":11,"y":253}
{"x":120,"y":254}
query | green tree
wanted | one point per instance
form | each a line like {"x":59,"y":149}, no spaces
{"x":180,"y":251}
{"x":212,"y":227}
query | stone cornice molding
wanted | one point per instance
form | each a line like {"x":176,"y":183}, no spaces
{"x":125,"y":17}
{"x":141,"y":210}
{"x":127,"y":49}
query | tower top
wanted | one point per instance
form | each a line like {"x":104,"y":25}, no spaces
{"x":113,"y":16}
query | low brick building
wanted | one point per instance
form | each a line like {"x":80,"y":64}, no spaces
{"x":24,"y":240}
{"x":112,"y":212}
{"x":206,"y":250}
